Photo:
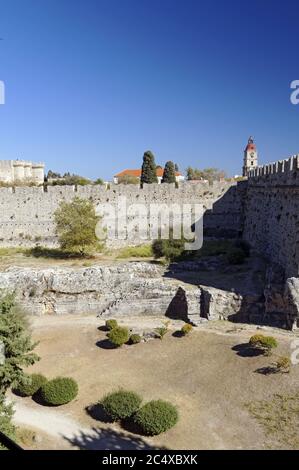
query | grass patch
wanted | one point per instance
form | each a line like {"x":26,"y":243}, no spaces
{"x":9,"y":251}
{"x":25,"y":437}
{"x":141,"y":251}
{"x":279,"y":418}
{"x":54,"y":253}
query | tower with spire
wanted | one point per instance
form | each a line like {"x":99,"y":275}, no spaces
{"x":250,"y":157}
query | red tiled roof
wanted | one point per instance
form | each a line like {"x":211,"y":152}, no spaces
{"x":250,"y":147}
{"x":137,"y":173}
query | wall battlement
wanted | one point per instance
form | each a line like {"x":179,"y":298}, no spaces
{"x":285,"y":171}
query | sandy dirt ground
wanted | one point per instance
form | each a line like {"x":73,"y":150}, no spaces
{"x":206,"y":375}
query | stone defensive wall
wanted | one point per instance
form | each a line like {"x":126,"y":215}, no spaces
{"x":263,"y":210}
{"x":26,"y":213}
{"x":271,"y":212}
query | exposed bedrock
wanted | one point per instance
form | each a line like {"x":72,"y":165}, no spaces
{"x":148,"y":289}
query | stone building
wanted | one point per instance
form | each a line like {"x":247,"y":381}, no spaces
{"x":250,"y":157}
{"x":20,"y":171}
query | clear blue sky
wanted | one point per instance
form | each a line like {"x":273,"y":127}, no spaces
{"x":92,"y":84}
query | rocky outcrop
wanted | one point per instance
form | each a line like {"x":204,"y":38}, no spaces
{"x":145,"y":289}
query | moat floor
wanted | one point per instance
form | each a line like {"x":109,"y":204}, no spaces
{"x":208,"y":380}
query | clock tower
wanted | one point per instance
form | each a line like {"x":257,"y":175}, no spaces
{"x":250,"y":157}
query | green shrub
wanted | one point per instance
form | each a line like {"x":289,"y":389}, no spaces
{"x":171,"y":249}
{"x":264,"y":343}
{"x":121,"y":405}
{"x":119,"y":336}
{"x":161,"y":331}
{"x":156,"y":416}
{"x":236,"y":256}
{"x":283,"y":364}
{"x":110,"y":324}
{"x":186,"y":329}
{"x":141,"y":251}
{"x":59,"y":391}
{"x":135,"y":339}
{"x":32,"y":385}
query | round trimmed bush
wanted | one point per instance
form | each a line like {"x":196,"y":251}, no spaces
{"x":135,"y":339}
{"x":35,"y":382}
{"x":119,"y":336}
{"x":59,"y":391}
{"x":110,"y":324}
{"x":186,"y":329}
{"x":156,"y":416}
{"x":122,"y":404}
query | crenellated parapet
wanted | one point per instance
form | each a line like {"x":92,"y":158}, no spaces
{"x":282,"y":171}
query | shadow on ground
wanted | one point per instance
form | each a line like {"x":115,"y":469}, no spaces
{"x":246,"y":350}
{"x":108,"y":439}
{"x":105,"y":344}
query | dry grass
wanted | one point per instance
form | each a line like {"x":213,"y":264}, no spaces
{"x":279,"y":417}
{"x":201,"y":374}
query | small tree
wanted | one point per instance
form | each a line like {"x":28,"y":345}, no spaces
{"x":18,"y":353}
{"x":99,"y":181}
{"x":17,"y":342}
{"x":148,"y":170}
{"x":169,"y":173}
{"x":76,"y":224}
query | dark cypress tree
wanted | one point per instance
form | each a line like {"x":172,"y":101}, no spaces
{"x":148,"y":170}
{"x":169,"y":173}
{"x":176,"y":167}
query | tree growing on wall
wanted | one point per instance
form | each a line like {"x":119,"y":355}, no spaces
{"x":169,"y":173}
{"x":76,"y":226}
{"x":148,"y":170}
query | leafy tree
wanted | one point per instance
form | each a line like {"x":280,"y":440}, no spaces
{"x":99,"y":181}
{"x":18,"y":348}
{"x":75,"y":226}
{"x":71,"y":180}
{"x":6,"y":425}
{"x":148,"y":170}
{"x":53,"y":174}
{"x":128,"y":179}
{"x":17,"y":342}
{"x":210,"y":174}
{"x":169,"y":173}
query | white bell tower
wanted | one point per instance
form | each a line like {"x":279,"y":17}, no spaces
{"x":250,"y":157}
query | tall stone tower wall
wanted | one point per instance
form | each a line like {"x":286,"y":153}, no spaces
{"x":271,"y":212}
{"x":21,"y":171}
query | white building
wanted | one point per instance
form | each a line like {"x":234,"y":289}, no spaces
{"x":20,"y":171}
{"x":137,"y":174}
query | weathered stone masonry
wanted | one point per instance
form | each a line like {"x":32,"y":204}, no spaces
{"x":264,"y":210}
{"x":26,"y":213}
{"x":271,"y":212}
